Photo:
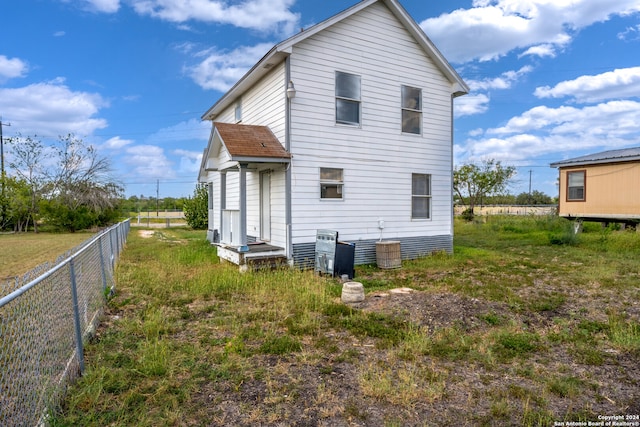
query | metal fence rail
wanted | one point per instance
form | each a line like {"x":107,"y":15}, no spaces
{"x":44,"y":324}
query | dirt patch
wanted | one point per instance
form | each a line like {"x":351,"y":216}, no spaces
{"x":146,"y":234}
{"x":334,"y":387}
{"x":432,"y":310}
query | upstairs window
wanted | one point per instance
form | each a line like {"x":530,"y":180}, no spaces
{"x":575,"y":186}
{"x":347,"y":99}
{"x":331,"y":183}
{"x":420,"y":196}
{"x":411,"y":110}
{"x":238,"y":111}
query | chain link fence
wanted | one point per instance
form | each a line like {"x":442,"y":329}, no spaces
{"x":44,"y":324}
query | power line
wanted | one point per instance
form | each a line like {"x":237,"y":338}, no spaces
{"x":3,"y":208}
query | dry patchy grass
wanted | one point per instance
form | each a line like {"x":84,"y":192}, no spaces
{"x":511,"y":330}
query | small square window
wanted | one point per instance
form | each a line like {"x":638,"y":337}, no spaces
{"x":331,"y":183}
{"x":576,"y":185}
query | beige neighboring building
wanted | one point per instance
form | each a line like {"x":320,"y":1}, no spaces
{"x":603,"y":186}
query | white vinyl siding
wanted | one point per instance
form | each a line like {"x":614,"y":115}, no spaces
{"x":375,"y":46}
{"x":263,"y":104}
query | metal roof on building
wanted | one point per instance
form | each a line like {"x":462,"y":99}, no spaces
{"x":610,"y":156}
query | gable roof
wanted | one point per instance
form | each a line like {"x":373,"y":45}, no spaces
{"x":283,"y":49}
{"x":610,"y":156}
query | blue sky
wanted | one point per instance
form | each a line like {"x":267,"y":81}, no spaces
{"x":549,"y":79}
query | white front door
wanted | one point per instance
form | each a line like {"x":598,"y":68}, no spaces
{"x":265,"y":206}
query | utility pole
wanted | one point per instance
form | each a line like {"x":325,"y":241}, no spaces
{"x":3,"y":207}
{"x":157,"y":197}
{"x":530,"y":171}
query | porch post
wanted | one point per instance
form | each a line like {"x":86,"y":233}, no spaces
{"x":243,"y":208}
{"x":223,"y":200}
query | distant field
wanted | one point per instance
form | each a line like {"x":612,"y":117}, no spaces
{"x":157,"y":214}
{"x":19,"y":253}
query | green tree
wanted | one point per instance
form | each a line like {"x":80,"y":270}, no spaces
{"x":81,"y":192}
{"x":472,"y":182}
{"x":196,"y":208}
{"x":29,"y":154}
{"x":18,"y":205}
{"x":67,"y":180}
{"x":535,"y":198}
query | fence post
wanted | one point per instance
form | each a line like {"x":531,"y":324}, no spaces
{"x":104,"y":275}
{"x":76,"y":316}
{"x":112,"y":254}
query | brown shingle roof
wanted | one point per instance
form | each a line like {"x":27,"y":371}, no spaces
{"x":248,"y":141}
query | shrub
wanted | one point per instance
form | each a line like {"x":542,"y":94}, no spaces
{"x":196,"y":208}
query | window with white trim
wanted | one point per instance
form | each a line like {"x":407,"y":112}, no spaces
{"x":411,"y":110}
{"x":331,"y":183}
{"x":347,"y":99}
{"x":575,"y":186}
{"x":420,"y":196}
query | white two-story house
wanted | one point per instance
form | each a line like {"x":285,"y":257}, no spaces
{"x":346,"y":126}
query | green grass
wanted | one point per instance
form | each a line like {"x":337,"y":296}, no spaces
{"x":190,"y":341}
{"x":20,"y":253}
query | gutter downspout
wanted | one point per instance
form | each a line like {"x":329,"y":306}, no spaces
{"x":452,"y":192}
{"x":288,"y":174}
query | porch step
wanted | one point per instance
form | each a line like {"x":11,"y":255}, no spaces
{"x":266,"y":262}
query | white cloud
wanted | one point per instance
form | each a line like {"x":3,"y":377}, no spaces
{"x":254,"y":14}
{"x":193,"y":155}
{"x":504,"y":81}
{"x":148,"y":161}
{"x":617,"y":84}
{"x":104,"y":6}
{"x":52,"y":109}
{"x":469,"y":105}
{"x":116,"y":143}
{"x":11,"y":68}
{"x":220,"y":70}
{"x":192,"y":129}
{"x":540,"y":51}
{"x":189,"y":162}
{"x":59,"y":34}
{"x":630,"y":34}
{"x":493,"y":28}
{"x":543,"y":130}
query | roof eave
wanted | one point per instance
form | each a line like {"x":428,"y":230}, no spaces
{"x":459,"y":87}
{"x":280,"y":51}
{"x":262,"y":67}
{"x":596,"y":162}
{"x":259,"y":159}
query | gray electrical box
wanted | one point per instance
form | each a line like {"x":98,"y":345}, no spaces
{"x":326,"y":241}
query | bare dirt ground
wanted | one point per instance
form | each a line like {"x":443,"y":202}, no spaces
{"x":329,"y":390}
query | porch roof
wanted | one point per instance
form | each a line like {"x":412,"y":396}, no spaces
{"x":231,"y":144}
{"x":250,"y":143}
